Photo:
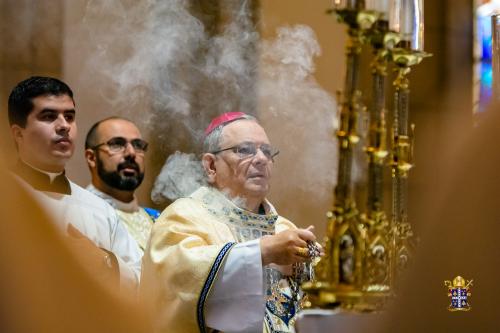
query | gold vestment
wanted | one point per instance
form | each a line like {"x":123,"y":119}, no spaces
{"x":189,"y":243}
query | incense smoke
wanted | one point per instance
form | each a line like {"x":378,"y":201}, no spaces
{"x":157,"y":51}
{"x":299,"y":115}
{"x":160,"y":55}
{"x":181,"y":175}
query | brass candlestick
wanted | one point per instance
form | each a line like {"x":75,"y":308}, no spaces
{"x":377,"y":286}
{"x":404,"y":58}
{"x":364,"y":252}
{"x":340,"y":273}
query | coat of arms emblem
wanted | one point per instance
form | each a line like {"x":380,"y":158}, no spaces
{"x":459,"y":290}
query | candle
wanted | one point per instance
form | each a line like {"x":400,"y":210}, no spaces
{"x":381,"y":6}
{"x":407,"y":18}
{"x":340,"y":4}
{"x":348,"y":4}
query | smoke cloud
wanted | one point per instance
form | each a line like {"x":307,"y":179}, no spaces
{"x":299,"y":115}
{"x":142,"y":50}
{"x":158,"y":51}
{"x":181,"y":175}
{"x":161,"y":52}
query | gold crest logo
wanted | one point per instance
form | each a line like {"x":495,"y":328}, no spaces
{"x":459,"y":291}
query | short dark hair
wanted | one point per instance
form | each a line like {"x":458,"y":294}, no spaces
{"x":91,"y":138}
{"x":21,"y":97}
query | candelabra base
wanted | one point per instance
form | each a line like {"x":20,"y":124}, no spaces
{"x":324,"y":295}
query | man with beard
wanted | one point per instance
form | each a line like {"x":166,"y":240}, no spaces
{"x":114,"y":150}
{"x":42,"y":120}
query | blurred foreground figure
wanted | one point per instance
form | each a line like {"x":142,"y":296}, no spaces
{"x":221,"y":258}
{"x":43,"y":288}
{"x":460,"y":236}
{"x":42,"y":119}
{"x":114,"y":150}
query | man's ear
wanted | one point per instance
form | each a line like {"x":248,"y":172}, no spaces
{"x":17,"y":133}
{"x":90,"y":158}
{"x":208,"y":162}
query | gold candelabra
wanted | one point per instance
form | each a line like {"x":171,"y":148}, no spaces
{"x":403,"y":57}
{"x":364,"y":251}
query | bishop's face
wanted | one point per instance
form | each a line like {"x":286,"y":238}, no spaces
{"x":47,"y":140}
{"x":246,"y":177}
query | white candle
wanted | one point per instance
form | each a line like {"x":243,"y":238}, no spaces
{"x":337,"y":4}
{"x":408,"y":12}
{"x":407,"y":18}
{"x":347,"y":4}
{"x":381,"y":6}
{"x":340,"y":4}
{"x":394,"y":19}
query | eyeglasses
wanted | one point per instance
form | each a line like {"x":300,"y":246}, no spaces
{"x":249,"y":149}
{"x":119,"y":144}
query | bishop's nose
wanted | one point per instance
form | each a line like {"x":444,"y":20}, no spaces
{"x":260,"y":157}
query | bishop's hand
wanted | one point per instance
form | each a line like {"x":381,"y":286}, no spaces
{"x":286,"y":247}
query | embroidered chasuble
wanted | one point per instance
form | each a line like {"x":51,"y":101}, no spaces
{"x":188,"y":248}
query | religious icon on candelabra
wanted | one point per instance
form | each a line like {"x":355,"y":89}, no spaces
{"x":346,"y":259}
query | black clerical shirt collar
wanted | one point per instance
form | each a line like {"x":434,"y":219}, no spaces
{"x":42,"y":181}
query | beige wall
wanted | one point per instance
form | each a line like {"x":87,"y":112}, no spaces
{"x":30,"y":35}
{"x":90,"y":106}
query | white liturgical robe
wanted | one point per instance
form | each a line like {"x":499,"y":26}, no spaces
{"x":93,"y":217}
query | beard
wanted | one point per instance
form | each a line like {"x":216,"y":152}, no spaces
{"x":118,"y":181}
